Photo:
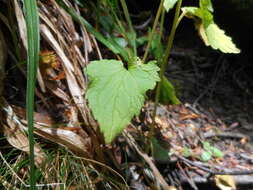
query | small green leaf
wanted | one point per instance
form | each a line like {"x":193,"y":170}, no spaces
{"x":168,"y":93}
{"x":212,"y":150}
{"x":207,"y":146}
{"x":217,"y":152}
{"x":187,"y":152}
{"x":115,"y":94}
{"x":159,"y":152}
{"x":169,"y":4}
{"x":206,"y":156}
{"x":141,"y":40}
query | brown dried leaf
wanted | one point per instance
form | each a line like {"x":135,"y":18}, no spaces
{"x":74,"y":88}
{"x":21,"y":23}
{"x":74,"y":138}
{"x":16,"y":136}
{"x":189,"y":116}
{"x":23,"y":36}
{"x":71,"y":140}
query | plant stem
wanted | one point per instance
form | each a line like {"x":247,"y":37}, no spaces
{"x":162,"y":23}
{"x":180,"y":18}
{"x":153,"y":30}
{"x":127,"y":16}
{"x":166,"y":56}
{"x":32,"y":23}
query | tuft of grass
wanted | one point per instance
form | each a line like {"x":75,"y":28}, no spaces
{"x":62,"y":170}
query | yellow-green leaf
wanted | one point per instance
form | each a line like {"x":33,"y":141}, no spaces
{"x":217,"y":39}
{"x":210,"y":33}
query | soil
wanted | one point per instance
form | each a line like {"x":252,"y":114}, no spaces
{"x":218,"y":86}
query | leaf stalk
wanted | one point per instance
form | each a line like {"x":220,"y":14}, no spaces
{"x":166,"y":57}
{"x":153,"y":30}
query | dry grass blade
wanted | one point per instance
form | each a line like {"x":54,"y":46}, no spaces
{"x":19,"y":181}
{"x":15,"y":175}
{"x":107,"y":167}
{"x":86,"y":39}
{"x":16,"y":136}
{"x":69,"y":139}
{"x":23,"y":35}
{"x":60,"y":34}
{"x":21,"y":23}
{"x":6,"y":184}
{"x":68,"y":68}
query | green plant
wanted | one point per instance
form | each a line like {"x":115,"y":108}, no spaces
{"x":210,"y":152}
{"x":166,"y":54}
{"x":209,"y":32}
{"x":187,"y":152}
{"x":118,"y":115}
{"x":32,"y":22}
{"x":114,"y":117}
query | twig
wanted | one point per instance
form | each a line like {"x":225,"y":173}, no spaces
{"x":189,"y":179}
{"x":246,"y":157}
{"x":224,"y":172}
{"x":225,"y":135}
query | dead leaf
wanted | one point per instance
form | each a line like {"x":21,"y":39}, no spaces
{"x":75,"y":90}
{"x":189,"y":116}
{"x":60,"y":76}
{"x":69,"y":139}
{"x":244,"y":140}
{"x":23,"y":35}
{"x":16,"y":136}
{"x":74,"y":138}
{"x":225,"y":182}
{"x":21,"y":23}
